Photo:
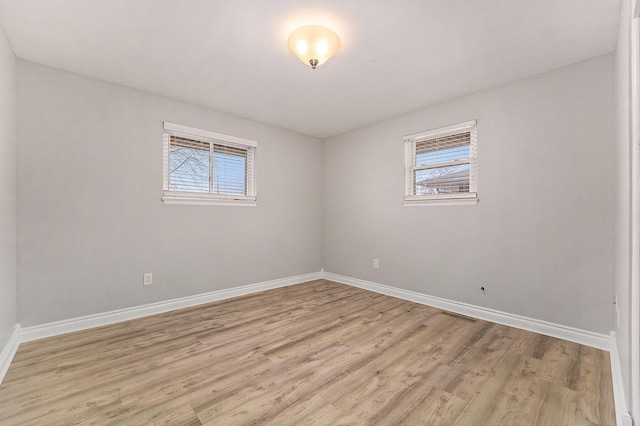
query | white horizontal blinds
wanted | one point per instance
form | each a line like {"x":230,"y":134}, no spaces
{"x":189,"y":165}
{"x":229,"y":170}
{"x":443,"y":161}
{"x":446,"y":149}
{"x":203,"y":162}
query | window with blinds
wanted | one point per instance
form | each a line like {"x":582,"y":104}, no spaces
{"x":202,"y":167}
{"x":441,"y":164}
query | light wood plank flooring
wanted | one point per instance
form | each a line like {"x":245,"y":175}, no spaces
{"x":314,"y":353}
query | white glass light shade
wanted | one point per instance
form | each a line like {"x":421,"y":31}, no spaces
{"x":313,"y":44}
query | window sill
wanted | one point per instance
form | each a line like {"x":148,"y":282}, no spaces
{"x":470,"y":199}
{"x":185,"y":199}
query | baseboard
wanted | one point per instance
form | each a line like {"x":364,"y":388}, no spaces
{"x":567,"y":333}
{"x":9,"y":351}
{"x":588,"y":338}
{"x":28,"y":334}
{"x":623,"y":417}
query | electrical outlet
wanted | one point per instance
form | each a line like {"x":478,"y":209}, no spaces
{"x":148,"y":278}
{"x":376,"y":264}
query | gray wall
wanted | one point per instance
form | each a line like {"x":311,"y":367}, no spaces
{"x":622,"y":213}
{"x":541,"y":238}
{"x":8,"y":118}
{"x":91,"y":221}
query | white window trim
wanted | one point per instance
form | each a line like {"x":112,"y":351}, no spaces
{"x":464,"y":198}
{"x":192,"y":131}
{"x":191,"y":199}
{"x":470,"y":199}
{"x":199,"y":199}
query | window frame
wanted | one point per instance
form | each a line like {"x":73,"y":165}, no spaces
{"x":459,"y":198}
{"x":213,"y":138}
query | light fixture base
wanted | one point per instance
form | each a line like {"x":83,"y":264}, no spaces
{"x":313,"y":63}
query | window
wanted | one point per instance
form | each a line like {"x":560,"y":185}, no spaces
{"x":202,"y":167}
{"x":440,"y":166}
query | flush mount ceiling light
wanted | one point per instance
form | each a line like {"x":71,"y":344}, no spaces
{"x":313,"y":44}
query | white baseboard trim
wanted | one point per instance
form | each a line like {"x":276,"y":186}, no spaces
{"x":623,"y":417}
{"x":36,"y":332}
{"x":588,"y":338}
{"x":9,"y":351}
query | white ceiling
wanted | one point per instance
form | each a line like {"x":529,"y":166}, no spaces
{"x":232,"y":56}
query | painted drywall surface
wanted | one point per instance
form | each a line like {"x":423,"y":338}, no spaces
{"x":540,"y":240}
{"x":8,"y":118}
{"x":622,"y":212}
{"x":91,"y":219}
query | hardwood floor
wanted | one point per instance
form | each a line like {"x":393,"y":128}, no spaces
{"x":313,"y":353}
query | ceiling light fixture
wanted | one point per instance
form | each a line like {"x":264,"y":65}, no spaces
{"x":313,"y":44}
